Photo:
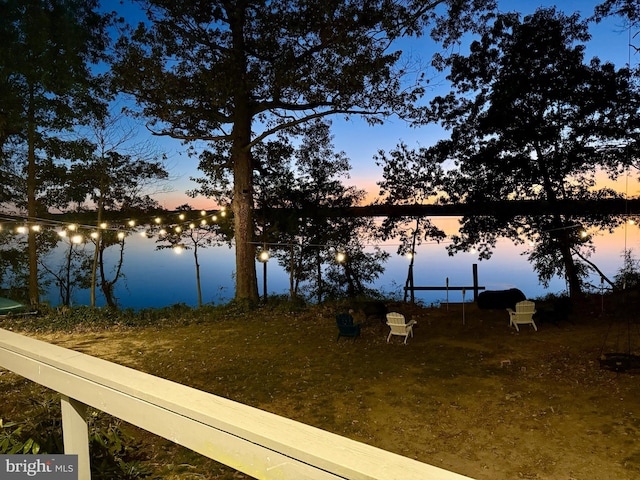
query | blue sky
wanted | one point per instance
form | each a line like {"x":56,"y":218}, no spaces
{"x":361,"y":142}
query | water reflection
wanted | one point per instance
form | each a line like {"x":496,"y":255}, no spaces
{"x":162,"y":278}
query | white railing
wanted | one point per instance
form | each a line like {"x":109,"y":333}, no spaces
{"x":252,"y":441}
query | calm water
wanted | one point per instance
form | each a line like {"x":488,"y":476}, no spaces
{"x":162,"y":278}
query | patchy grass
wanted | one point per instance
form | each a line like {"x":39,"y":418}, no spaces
{"x":474,"y":397}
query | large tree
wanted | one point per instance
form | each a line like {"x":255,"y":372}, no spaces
{"x":530,"y":120}
{"x":243,"y":70}
{"x":47,"y":89}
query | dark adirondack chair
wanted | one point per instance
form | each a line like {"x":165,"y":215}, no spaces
{"x":346,"y":327}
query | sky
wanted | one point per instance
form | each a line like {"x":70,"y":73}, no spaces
{"x":361,"y":142}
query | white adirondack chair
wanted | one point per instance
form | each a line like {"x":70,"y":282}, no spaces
{"x":399,"y":326}
{"x":523,"y":314}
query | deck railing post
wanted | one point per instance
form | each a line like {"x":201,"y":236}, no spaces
{"x":75,"y":433}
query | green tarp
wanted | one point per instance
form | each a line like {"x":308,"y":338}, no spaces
{"x":7,"y":306}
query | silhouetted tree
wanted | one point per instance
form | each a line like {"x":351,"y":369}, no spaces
{"x":530,"y":120}
{"x":116,"y":176}
{"x":238,"y":72}
{"x":49,"y":89}
{"x":410,"y":177}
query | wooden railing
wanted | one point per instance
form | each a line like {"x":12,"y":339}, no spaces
{"x":258,"y":443}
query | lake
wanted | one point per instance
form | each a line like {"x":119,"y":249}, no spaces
{"x":162,"y":278}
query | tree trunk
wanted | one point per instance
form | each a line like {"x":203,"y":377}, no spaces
{"x":242,"y":206}
{"x":195,"y":257}
{"x":575,"y":286}
{"x":292,"y":271}
{"x":319,"y":275}
{"x":107,"y":286}
{"x":94,"y":265}
{"x":66,"y":299}
{"x":32,"y":208}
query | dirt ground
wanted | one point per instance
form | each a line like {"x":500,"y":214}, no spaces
{"x":467,"y":393}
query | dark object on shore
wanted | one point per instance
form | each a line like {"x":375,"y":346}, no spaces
{"x":620,"y":362}
{"x":500,"y":299}
{"x":374,"y":309}
{"x":346,"y":327}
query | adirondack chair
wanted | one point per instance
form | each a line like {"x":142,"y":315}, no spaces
{"x":523,"y":314}
{"x":346,"y":327}
{"x":399,"y":326}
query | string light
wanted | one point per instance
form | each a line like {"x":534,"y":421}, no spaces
{"x":64,"y":229}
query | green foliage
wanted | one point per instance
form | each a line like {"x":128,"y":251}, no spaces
{"x":85,"y":318}
{"x":114,"y":453}
{"x":40,"y":432}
